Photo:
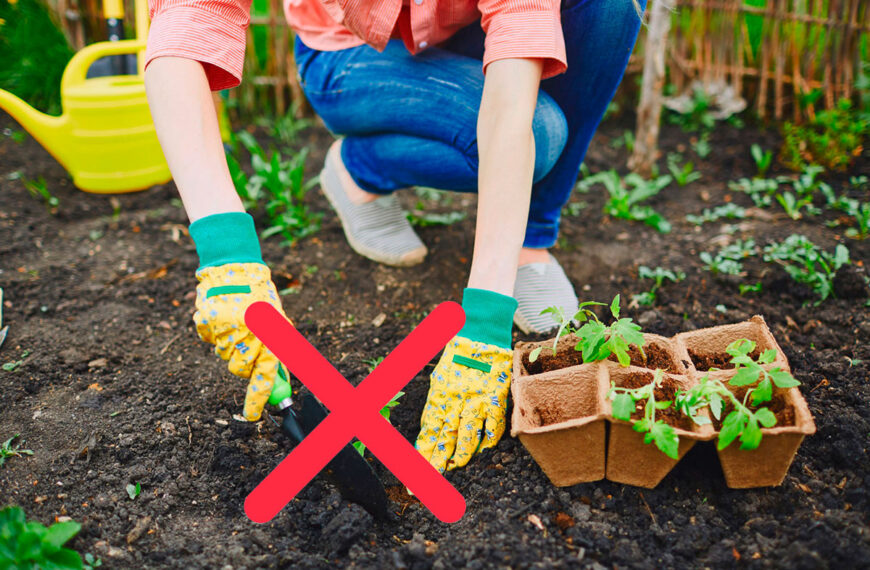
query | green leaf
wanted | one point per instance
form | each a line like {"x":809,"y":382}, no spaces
{"x":767,"y":356}
{"x":731,"y":428}
{"x":783,"y":379}
{"x":740,"y":346}
{"x":765,"y":417}
{"x":763,"y":392}
{"x":664,"y":405}
{"x":614,"y":307}
{"x":716,"y":405}
{"x":623,"y":406}
{"x":64,"y":559}
{"x":666,"y":439}
{"x":533,"y":356}
{"x":59,"y":533}
{"x":744,"y":377}
{"x":751,"y":436}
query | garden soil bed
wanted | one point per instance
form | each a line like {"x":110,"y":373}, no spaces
{"x":116,"y":388}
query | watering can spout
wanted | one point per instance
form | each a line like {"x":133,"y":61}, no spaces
{"x":42,"y":127}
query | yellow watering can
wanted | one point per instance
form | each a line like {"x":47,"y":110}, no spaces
{"x":105,"y":137}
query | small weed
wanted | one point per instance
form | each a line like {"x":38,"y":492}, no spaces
{"x":807,"y":263}
{"x":14,"y":365}
{"x":858,"y":210}
{"x":18,"y":136}
{"x":761,"y":190}
{"x":372,"y":363}
{"x":729,"y":260}
{"x":422,"y":219}
{"x":659,"y":275}
{"x":698,"y":115}
{"x":763,"y":160}
{"x":730,"y":211}
{"x":793,"y":205}
{"x":287,"y":127}
{"x":702,"y":146}
{"x":7,"y":450}
{"x":26,"y":544}
{"x":134,"y":490}
{"x":657,"y":431}
{"x":754,"y":288}
{"x":574,"y":208}
{"x":625,"y":140}
{"x":684,"y":174}
{"x":38,"y":189}
{"x":385,"y":412}
{"x":91,"y":562}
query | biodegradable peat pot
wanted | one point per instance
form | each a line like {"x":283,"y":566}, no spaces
{"x":767,"y":465}
{"x":629,"y":459}
{"x":559,"y":417}
{"x":704,"y":349}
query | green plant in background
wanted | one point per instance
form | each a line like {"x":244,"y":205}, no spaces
{"x":729,"y":259}
{"x":277,"y":185}
{"x":626,"y":195}
{"x":658,"y":275}
{"x":742,"y":421}
{"x":26,"y":544}
{"x":655,"y":431}
{"x":702,"y":146}
{"x":858,"y":210}
{"x":807,"y":263}
{"x":763,"y":160}
{"x":423,"y":219}
{"x":761,"y":190}
{"x":793,"y":205}
{"x":286,"y":127}
{"x":29,"y":70}
{"x":684,"y":174}
{"x":749,"y":288}
{"x":698,"y":117}
{"x":832,"y":139}
{"x":730,"y":211}
{"x":625,"y":140}
{"x":7,"y":450}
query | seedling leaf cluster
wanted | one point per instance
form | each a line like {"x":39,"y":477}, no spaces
{"x":624,"y":404}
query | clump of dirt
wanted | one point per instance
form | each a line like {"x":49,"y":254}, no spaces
{"x":654,"y":356}
{"x":667,"y":392}
{"x":547,"y":361}
{"x":720,"y":360}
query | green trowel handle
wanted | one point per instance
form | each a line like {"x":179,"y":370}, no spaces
{"x":281,"y":390}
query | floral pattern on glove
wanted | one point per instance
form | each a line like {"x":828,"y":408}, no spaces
{"x":465,"y":409}
{"x":223,"y":295}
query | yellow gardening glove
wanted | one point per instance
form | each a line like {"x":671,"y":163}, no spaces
{"x":223,"y":295}
{"x":232,"y":276}
{"x":465,"y":409}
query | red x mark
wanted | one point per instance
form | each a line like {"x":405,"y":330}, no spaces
{"x":354,"y":412}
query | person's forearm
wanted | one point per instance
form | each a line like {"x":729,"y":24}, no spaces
{"x":506,"y":149}
{"x":187,"y":127}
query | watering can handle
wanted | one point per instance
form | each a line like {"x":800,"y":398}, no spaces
{"x":77,"y":69}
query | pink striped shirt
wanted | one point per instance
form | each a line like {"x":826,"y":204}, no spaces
{"x":213,"y":31}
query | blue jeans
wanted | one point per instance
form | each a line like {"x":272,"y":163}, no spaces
{"x":412,"y":120}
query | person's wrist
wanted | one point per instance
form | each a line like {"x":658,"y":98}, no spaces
{"x":226,"y":238}
{"x":488,"y":317}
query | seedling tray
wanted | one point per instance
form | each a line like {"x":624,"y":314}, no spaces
{"x":563,"y":417}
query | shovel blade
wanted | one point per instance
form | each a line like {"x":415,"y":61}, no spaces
{"x":351,"y":474}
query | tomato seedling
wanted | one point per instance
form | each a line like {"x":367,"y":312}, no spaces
{"x":659,"y":274}
{"x":807,"y":263}
{"x":625,"y":404}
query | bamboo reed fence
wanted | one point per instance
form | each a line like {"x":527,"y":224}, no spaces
{"x":775,"y":52}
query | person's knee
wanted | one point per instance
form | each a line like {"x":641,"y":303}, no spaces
{"x":551,"y":134}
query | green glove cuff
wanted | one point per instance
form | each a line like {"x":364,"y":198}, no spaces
{"x":488,"y":317}
{"x":226,"y":238}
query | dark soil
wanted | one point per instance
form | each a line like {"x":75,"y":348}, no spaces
{"x":721,"y":360}
{"x":547,"y":361}
{"x":116,"y":388}
{"x":654,"y":356}
{"x":667,"y":392}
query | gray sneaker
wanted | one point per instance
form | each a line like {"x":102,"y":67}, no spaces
{"x":378,"y":229}
{"x":538,"y":286}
